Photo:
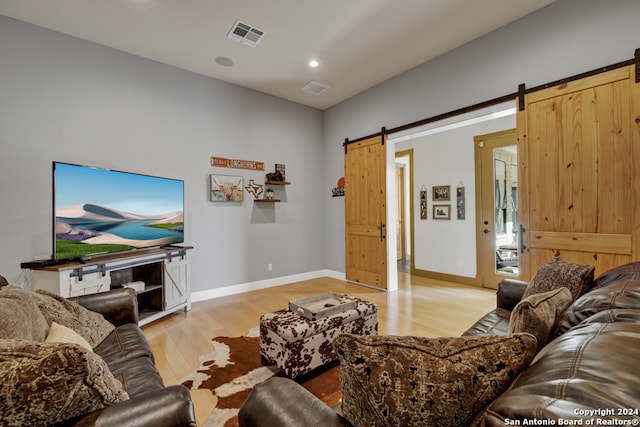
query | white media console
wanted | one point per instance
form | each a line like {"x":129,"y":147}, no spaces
{"x":160,"y":277}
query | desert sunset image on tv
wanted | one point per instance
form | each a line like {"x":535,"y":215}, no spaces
{"x":102,"y":210}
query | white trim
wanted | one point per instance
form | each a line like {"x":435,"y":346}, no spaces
{"x":477,"y":116}
{"x":262,"y":284}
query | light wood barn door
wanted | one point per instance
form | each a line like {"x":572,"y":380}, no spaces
{"x":579,"y":146}
{"x":365,"y":212}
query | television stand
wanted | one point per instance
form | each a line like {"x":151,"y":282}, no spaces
{"x":159,"y":276}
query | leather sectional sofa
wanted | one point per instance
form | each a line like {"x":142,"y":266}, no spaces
{"x":585,"y":372}
{"x":61,"y":383}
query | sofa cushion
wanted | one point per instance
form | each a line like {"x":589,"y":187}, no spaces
{"x":42,"y":383}
{"x":496,"y":322}
{"x":539,"y":313}
{"x":620,"y":295}
{"x":614,"y":315}
{"x":138,"y":376}
{"x":621,"y":273}
{"x":125,"y":343}
{"x":591,"y":369}
{"x":390,"y":380}
{"x":90,"y":325}
{"x":130,"y":359}
{"x":556,"y":273}
{"x":20,"y":317}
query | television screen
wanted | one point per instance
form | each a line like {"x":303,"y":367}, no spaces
{"x":101,"y":210}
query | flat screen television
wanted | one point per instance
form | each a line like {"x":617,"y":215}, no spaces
{"x":98,"y":211}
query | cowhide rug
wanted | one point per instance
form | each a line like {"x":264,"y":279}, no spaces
{"x":233,"y":368}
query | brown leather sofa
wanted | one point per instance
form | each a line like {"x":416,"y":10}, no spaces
{"x":129,"y":357}
{"x":587,"y":374}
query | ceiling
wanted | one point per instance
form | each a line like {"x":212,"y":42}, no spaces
{"x":358,"y":43}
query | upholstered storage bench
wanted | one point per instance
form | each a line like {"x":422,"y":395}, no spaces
{"x":298,"y":345}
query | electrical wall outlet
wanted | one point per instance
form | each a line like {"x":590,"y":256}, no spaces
{"x":269,"y":267}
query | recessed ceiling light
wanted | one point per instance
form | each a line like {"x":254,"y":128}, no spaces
{"x":313,"y":63}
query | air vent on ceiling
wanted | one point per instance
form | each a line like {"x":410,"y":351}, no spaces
{"x":315,"y":88}
{"x":246,"y":34}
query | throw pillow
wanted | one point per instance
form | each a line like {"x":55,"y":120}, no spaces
{"x":20,"y":317}
{"x":44,"y":384}
{"x":539,"y":313}
{"x":394,"y":381}
{"x":557,"y":273}
{"x":62,"y":334}
{"x":90,"y":325}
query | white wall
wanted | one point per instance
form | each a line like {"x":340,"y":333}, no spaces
{"x":70,"y":100}
{"x":564,"y":39}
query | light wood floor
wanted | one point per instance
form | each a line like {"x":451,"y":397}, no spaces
{"x":421,"y":307}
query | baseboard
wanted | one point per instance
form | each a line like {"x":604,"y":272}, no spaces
{"x":262,"y":284}
{"x":463,"y":280}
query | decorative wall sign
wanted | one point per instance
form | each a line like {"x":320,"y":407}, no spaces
{"x":237,"y":164}
{"x":423,"y":203}
{"x":460,"y":203}
{"x":255,"y":189}
{"x":441,"y":193}
{"x":441,"y":211}
{"x":339,"y":190}
{"x":226,"y":188}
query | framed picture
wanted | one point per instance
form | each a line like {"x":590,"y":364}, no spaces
{"x":441,"y":193}
{"x":227,"y":188}
{"x":423,"y":204}
{"x":441,"y":211}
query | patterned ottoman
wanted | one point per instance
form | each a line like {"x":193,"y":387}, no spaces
{"x":298,"y":345}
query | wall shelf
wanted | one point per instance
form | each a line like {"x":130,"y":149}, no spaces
{"x":277,"y":182}
{"x":267,"y":200}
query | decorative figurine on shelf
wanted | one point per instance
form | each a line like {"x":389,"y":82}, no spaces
{"x":269,"y":193}
{"x":276,"y":176}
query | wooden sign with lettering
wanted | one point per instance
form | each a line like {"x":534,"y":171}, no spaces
{"x":222,"y":162}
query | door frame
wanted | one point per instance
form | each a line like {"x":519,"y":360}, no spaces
{"x":408,"y":193}
{"x":480,"y":247}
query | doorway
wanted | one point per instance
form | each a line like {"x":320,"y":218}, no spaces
{"x":497,"y":201}
{"x":404,"y":207}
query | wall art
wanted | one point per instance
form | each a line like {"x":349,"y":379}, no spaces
{"x":255,"y":189}
{"x":226,"y":188}
{"x":223,"y":162}
{"x":441,"y":193}
{"x":423,"y":203}
{"x":441,"y":211}
{"x":460,"y":203}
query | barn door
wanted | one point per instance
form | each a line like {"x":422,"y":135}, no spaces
{"x":365,"y":212}
{"x":579,"y":147}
